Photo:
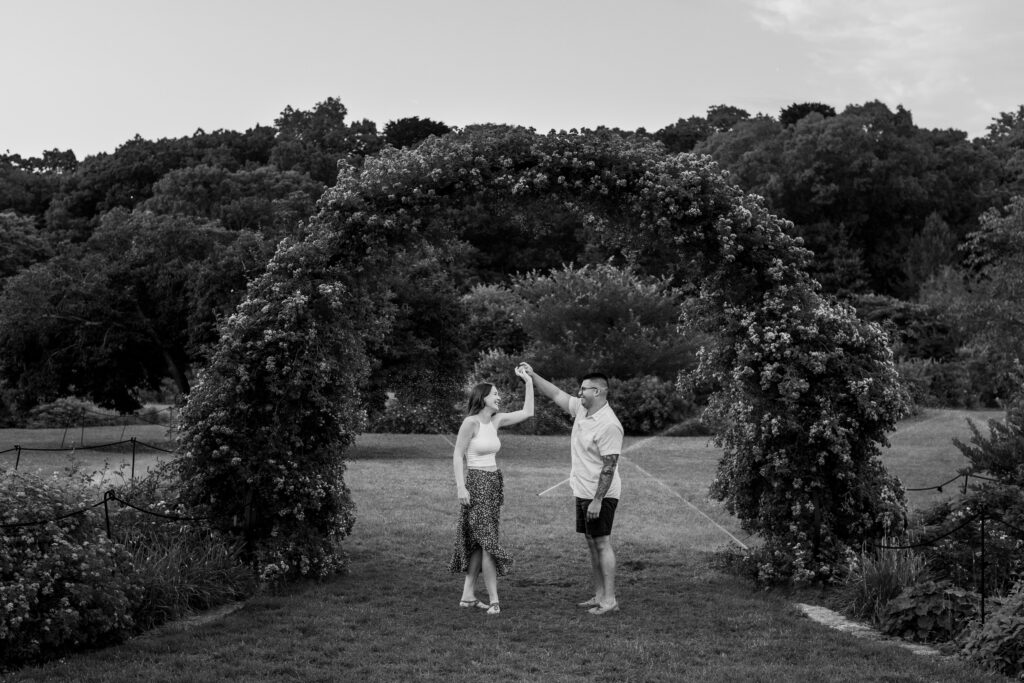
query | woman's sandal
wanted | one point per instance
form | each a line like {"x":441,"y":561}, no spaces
{"x":472,"y":603}
{"x":494,"y":608}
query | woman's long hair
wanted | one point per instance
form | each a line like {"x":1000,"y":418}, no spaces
{"x":477,"y":396}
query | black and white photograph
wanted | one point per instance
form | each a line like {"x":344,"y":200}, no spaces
{"x":535,"y":341}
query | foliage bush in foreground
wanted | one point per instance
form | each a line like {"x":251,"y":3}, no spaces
{"x":184,"y":570}
{"x":999,"y":643}
{"x":930,"y":612}
{"x":995,"y":494}
{"x":878,"y":577}
{"x":65,"y":585}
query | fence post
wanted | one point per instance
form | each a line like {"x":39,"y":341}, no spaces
{"x":17,"y":456}
{"x":133,"y":458}
{"x":106,"y":510}
{"x":983,"y":569}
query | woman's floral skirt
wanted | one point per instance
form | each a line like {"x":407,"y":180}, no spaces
{"x":478,"y":522}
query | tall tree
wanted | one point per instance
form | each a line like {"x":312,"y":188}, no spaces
{"x":684,"y":134}
{"x":1006,"y":140}
{"x":788,"y":116}
{"x":724,"y":117}
{"x":412,"y":130}
{"x":929,"y":252}
{"x":315,"y":141}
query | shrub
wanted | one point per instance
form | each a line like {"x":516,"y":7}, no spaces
{"x":999,"y":643}
{"x":63,"y":412}
{"x":425,"y":404}
{"x":74,"y":412}
{"x":999,"y":496}
{"x":878,"y":577}
{"x":497,"y":367}
{"x":953,"y":384}
{"x":607,"y":319}
{"x":930,"y":612}
{"x":648,"y":405}
{"x":63,"y":584}
{"x":493,"y":314}
{"x":957,"y":557}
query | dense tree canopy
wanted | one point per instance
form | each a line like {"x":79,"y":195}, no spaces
{"x":138,"y":303}
{"x":859,"y":186}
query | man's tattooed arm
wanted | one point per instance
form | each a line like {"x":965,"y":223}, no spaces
{"x":607,"y":472}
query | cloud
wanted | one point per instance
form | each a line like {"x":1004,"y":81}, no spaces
{"x":911,"y":49}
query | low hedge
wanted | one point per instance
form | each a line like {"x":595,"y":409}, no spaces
{"x":65,"y":586}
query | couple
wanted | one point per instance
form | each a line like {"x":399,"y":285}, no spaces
{"x":595,"y":446}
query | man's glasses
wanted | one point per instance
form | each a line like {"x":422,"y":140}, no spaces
{"x":583,"y":389}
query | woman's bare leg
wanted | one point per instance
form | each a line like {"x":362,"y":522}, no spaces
{"x":490,"y":572}
{"x":469,"y":587}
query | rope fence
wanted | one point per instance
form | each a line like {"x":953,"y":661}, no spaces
{"x":135,"y":444}
{"x":981,"y":517}
{"x":109,"y":496}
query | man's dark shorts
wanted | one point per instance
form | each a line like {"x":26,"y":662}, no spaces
{"x":602,"y":526}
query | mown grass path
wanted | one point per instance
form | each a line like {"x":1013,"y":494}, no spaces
{"x":394,"y":617}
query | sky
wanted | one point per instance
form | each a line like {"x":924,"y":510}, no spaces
{"x":87,"y":75}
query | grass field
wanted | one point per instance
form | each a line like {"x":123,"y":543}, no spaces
{"x":394,"y":617}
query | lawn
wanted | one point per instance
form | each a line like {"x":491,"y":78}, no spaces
{"x":394,"y":616}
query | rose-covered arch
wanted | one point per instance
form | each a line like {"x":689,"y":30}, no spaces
{"x":805,"y":392}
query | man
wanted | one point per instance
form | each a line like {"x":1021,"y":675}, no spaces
{"x":595,"y":446}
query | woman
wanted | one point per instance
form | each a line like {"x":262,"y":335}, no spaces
{"x":481,"y":492}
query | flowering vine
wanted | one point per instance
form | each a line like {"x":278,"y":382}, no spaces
{"x":805,"y":392}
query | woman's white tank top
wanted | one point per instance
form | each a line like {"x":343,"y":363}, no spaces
{"x":484,"y":445}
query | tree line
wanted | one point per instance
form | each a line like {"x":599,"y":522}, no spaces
{"x":117,"y":270}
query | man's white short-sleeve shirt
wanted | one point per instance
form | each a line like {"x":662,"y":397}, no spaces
{"x":594,"y":436}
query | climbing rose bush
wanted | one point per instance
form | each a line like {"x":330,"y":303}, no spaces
{"x":805,"y":392}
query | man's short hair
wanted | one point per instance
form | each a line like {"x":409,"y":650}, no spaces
{"x":598,"y":377}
